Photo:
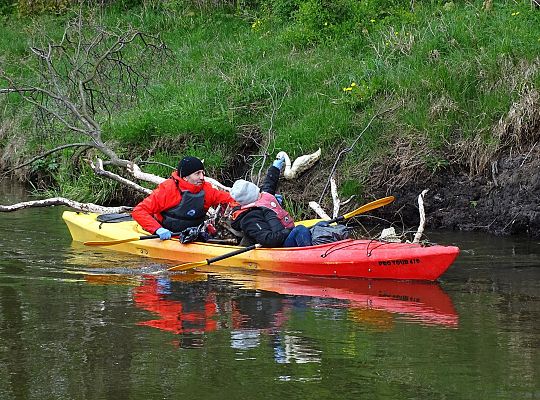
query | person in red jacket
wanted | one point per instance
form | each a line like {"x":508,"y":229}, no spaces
{"x":179,"y":202}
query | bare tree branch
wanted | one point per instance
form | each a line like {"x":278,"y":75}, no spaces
{"x":81,"y":77}
{"x":47,"y":153}
{"x":420,"y":230}
{"x":16,"y":90}
{"x":76,"y":82}
{"x":143,"y":176}
{"x":61,"y":201}
{"x":269,"y":143}
{"x":318,"y":210}
{"x":98,"y":170}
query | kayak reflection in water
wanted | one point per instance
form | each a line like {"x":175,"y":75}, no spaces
{"x":193,"y":309}
{"x":258,"y":305}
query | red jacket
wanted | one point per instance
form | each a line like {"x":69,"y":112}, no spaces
{"x":148,"y":212}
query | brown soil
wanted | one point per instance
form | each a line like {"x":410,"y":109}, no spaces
{"x":507,"y":202}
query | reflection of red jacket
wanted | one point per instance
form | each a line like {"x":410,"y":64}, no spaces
{"x":173,"y":316}
{"x":148,"y":212}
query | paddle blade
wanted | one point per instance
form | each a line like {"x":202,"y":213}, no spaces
{"x":110,"y":242}
{"x":370,"y":206}
{"x":188,"y":266}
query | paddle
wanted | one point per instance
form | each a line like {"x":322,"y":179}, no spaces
{"x":186,"y":266}
{"x":111,"y":242}
{"x":365,"y":208}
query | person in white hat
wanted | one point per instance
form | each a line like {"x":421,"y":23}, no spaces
{"x":260,"y":216}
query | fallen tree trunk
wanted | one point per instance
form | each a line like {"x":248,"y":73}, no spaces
{"x":61,"y":201}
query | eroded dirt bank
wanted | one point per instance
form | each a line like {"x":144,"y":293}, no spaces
{"x":505,"y":203}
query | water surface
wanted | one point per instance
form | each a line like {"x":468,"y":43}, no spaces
{"x":69,"y":332}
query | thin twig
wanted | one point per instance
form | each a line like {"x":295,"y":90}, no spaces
{"x":351,"y":147}
{"x":47,"y":153}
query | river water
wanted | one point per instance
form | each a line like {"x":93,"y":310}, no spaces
{"x":69,"y":332}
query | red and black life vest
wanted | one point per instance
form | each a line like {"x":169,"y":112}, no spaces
{"x":266,"y":200}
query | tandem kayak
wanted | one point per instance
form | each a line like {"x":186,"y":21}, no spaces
{"x":355,"y":258}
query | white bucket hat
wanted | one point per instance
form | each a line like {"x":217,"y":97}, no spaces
{"x":245,"y":192}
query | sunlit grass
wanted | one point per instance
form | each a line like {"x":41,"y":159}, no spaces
{"x":455,"y":70}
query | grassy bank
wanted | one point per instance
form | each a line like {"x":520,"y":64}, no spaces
{"x":445,"y":79}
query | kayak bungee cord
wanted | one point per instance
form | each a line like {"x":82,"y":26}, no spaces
{"x":335,"y":247}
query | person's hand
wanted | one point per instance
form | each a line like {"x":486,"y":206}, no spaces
{"x":164,"y":234}
{"x":278,"y":163}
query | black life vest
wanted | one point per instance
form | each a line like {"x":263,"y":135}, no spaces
{"x":189,"y":212}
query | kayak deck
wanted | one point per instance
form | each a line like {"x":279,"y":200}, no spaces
{"x":357,"y":258}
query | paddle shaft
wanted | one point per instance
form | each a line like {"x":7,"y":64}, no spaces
{"x":232,"y":254}
{"x":154,"y":236}
{"x":148,"y":237}
{"x":208,"y":261}
{"x":120,"y":241}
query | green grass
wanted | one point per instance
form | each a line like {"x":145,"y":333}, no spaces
{"x":456,"y":70}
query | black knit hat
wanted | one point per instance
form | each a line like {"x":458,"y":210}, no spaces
{"x":189,"y":165}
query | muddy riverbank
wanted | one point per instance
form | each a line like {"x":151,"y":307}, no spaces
{"x":505,"y":203}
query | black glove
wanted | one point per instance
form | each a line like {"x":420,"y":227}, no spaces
{"x":190,"y":234}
